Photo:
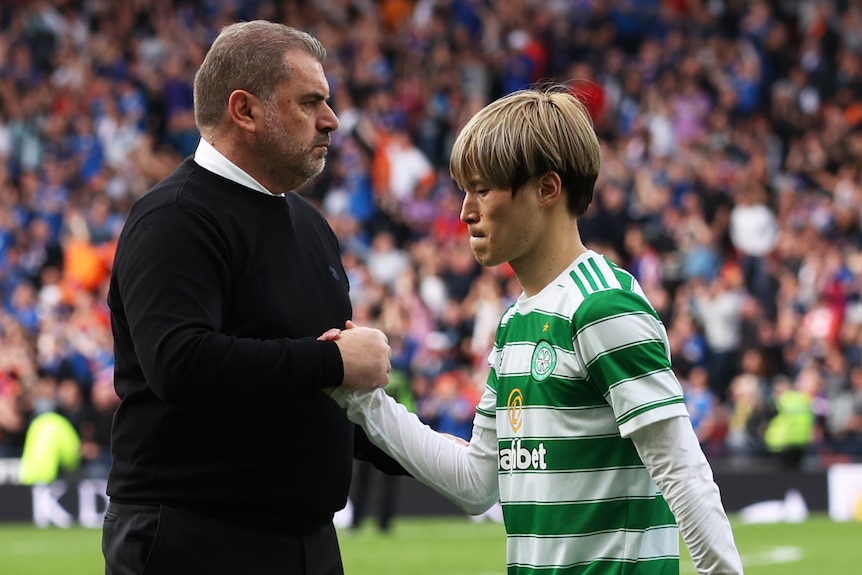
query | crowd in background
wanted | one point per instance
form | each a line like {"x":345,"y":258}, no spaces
{"x":731,"y":187}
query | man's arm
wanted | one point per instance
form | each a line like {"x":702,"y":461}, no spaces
{"x":467,"y":475}
{"x":672,"y":454}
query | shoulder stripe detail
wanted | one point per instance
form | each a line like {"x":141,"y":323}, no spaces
{"x":579,"y":283}
{"x":599,"y":273}
{"x":625,"y":278}
{"x":588,"y":276}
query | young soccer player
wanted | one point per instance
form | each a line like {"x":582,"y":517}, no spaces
{"x":582,"y":431}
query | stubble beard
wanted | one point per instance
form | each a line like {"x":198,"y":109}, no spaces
{"x":290,"y":163}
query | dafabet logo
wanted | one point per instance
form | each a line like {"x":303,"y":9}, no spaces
{"x":516,"y":456}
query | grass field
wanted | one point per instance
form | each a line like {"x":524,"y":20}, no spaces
{"x":457,"y":546}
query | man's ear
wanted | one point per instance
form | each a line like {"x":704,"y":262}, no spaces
{"x":550,"y":188}
{"x":245,"y":109}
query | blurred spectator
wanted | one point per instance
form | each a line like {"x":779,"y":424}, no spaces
{"x":95,"y":427}
{"x":844,"y":418}
{"x":790,"y":433}
{"x":719,"y":308}
{"x":643,"y":260}
{"x":385,"y":259}
{"x":704,"y":411}
{"x":747,"y":418}
{"x":449,"y":409}
{"x":754,"y":233}
{"x":52,"y":449}
{"x":13,"y":426}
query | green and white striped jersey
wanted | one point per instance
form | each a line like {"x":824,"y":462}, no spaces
{"x":575,"y":370}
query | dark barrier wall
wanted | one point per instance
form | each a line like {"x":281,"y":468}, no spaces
{"x":738,"y":489}
{"x":64,"y":503}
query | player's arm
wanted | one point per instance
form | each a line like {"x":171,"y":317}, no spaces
{"x":465,"y":474}
{"x":672,"y":454}
{"x":625,"y":349}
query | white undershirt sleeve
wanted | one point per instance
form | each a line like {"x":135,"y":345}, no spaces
{"x":672,"y":454}
{"x":467,"y":475}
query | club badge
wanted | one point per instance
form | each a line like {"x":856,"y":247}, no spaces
{"x":544,"y":361}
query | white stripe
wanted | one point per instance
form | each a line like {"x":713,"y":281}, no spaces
{"x":566,"y":422}
{"x":488,"y":404}
{"x":660,"y":542}
{"x":636,"y":393}
{"x":517,"y":358}
{"x":580,"y":486}
{"x":618,"y":332}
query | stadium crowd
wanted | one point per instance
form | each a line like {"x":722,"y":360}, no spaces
{"x":731,"y":188}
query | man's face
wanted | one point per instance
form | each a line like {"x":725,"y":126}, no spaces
{"x":503,"y":227}
{"x":292,"y":146}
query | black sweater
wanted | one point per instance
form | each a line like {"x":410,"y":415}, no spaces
{"x":217,"y":295}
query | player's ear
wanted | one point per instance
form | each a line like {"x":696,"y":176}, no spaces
{"x":550,"y":188}
{"x":245,"y":109}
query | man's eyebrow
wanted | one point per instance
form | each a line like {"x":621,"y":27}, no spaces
{"x":316,"y":96}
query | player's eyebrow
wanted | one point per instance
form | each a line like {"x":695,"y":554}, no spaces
{"x":476,"y":183}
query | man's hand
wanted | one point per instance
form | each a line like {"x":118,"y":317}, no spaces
{"x":365,"y":353}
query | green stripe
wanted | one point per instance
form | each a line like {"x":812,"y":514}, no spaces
{"x":630,"y":362}
{"x":644,"y":408}
{"x":626,"y":279}
{"x":531,"y":328}
{"x":599,"y":273}
{"x":578,"y":283}
{"x":486,"y":413}
{"x":553,"y":392}
{"x":610,"y":303}
{"x":586,"y":518}
{"x":589,"y":276}
{"x":492,"y":380}
{"x":579,"y":454}
{"x":668,"y":566}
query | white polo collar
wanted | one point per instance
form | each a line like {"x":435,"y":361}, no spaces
{"x":206,"y":156}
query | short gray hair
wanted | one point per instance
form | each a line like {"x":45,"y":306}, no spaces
{"x":247,"y":56}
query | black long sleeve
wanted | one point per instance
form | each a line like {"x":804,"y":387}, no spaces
{"x":218,"y":294}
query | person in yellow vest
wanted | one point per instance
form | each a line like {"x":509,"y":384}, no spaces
{"x":790,"y":433}
{"x":51,"y":447}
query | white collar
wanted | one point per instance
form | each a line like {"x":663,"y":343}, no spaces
{"x":206,"y":156}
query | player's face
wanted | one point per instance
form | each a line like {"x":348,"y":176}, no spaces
{"x":295,"y":139}
{"x":503,"y":227}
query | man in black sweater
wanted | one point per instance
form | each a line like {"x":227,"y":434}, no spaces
{"x":227,"y":458}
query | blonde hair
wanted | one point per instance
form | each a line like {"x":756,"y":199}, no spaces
{"x":526,"y":134}
{"x":247,"y":56}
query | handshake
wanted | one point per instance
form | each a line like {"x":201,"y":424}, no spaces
{"x":365,"y":353}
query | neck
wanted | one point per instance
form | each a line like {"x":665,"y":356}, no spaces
{"x":553,"y":255}
{"x":241,"y":155}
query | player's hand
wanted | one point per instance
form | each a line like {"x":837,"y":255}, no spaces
{"x":455,"y":438}
{"x":365,"y":353}
{"x":330,"y":334}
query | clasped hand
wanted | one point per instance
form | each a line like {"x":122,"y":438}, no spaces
{"x":365,"y":353}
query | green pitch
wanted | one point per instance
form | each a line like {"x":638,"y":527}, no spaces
{"x":456,"y":546}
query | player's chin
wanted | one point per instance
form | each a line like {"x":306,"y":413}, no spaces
{"x":484,"y":257}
